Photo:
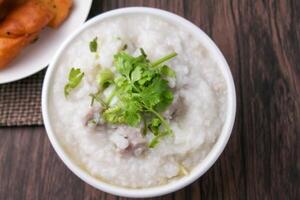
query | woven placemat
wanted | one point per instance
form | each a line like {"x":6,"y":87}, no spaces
{"x":20,"y":102}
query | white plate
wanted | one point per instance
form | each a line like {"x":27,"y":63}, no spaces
{"x":38,"y":55}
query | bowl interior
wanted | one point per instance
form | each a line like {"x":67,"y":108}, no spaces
{"x":202,"y":167}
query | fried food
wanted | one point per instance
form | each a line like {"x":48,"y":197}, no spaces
{"x":11,"y":2}
{"x":20,"y":27}
{"x":61,"y":10}
{"x":2,"y":13}
{"x":28,"y":18}
{"x":1,"y":2}
{"x":23,"y":20}
{"x":11,"y":47}
{"x":7,"y":5}
{"x":3,"y":8}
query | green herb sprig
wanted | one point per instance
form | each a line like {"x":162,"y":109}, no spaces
{"x":142,"y":91}
{"x":74,"y":78}
{"x":93,"y":45}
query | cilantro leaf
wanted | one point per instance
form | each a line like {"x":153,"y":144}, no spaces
{"x":147,"y":76}
{"x":142,"y":93}
{"x":155,"y":93}
{"x":155,"y":140}
{"x":75,"y":77}
{"x":165,"y":100}
{"x":104,"y":78}
{"x":114,"y":115}
{"x":167,"y":71}
{"x":123,"y":63}
{"x":154,"y":126}
{"x":136,"y":74}
{"x":94,"y":45}
{"x":127,"y":114}
{"x":132,"y":114}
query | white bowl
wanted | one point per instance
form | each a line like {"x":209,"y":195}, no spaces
{"x":198,"y":170}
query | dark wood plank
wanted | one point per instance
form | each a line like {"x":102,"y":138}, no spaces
{"x":260,"y":40}
{"x":270,"y":82}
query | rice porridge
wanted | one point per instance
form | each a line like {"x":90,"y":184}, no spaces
{"x":130,"y":139}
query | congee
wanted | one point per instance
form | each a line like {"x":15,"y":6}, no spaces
{"x":137,"y":101}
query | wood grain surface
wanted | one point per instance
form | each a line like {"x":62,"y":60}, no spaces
{"x":261,"y":42}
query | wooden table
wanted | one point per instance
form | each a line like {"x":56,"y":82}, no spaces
{"x":261,"y":42}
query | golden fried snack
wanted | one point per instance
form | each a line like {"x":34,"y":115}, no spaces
{"x":11,"y":47}
{"x":2,"y":2}
{"x":23,"y":22}
{"x":7,"y":5}
{"x":27,"y":18}
{"x":3,"y":8}
{"x":2,"y":13}
{"x":11,"y":2}
{"x":61,"y":10}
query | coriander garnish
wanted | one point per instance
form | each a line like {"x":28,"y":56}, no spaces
{"x":94,"y":45}
{"x":164,"y":59}
{"x":75,"y":76}
{"x":142,"y":91}
{"x":104,"y":78}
